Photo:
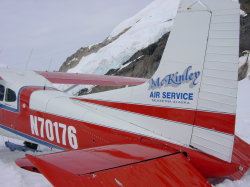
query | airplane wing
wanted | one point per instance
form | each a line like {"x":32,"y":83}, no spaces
{"x":116,"y":165}
{"x":77,"y":78}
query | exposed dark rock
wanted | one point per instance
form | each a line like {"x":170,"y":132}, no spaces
{"x":245,"y":6}
{"x":244,"y":36}
{"x":83,"y":91}
{"x":244,"y":33}
{"x":142,"y":64}
{"x":111,"y":71}
{"x":97,"y":89}
{"x":243,"y":71}
{"x":245,"y":26}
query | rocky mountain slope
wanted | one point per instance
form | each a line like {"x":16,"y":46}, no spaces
{"x":143,"y":61}
{"x":245,"y":26}
{"x":142,"y":64}
{"x":244,"y":37}
{"x":75,"y":58}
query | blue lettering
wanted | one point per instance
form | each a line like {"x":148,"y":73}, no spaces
{"x":168,"y":95}
{"x":185,"y":96}
{"x":191,"y":76}
{"x":170,"y":79}
{"x":178,"y":95}
{"x":157,"y":94}
{"x":164,"y":95}
{"x":151,"y":94}
{"x":172,"y":95}
{"x":154,"y":95}
{"x":175,"y":79}
{"x":196,"y":75}
{"x":154,"y":84}
{"x":190,"y":96}
{"x":186,"y":72}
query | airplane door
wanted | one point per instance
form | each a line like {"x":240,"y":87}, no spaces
{"x":9,"y":113}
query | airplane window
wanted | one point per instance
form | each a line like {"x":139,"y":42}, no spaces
{"x":2,"y":88}
{"x":10,"y":95}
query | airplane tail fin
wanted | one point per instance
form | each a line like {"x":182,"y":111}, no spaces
{"x":201,"y":58}
{"x":200,"y":66}
{"x":191,"y":99}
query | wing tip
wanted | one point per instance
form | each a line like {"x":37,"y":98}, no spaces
{"x":57,"y":176}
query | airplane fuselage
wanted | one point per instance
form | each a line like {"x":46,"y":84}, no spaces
{"x":43,"y":126}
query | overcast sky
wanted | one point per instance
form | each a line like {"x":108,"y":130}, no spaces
{"x":34,"y":33}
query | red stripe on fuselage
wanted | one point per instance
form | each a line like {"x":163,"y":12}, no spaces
{"x":92,"y":135}
{"x":215,"y":121}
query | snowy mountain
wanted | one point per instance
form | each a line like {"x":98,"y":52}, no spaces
{"x":129,"y":37}
{"x":135,"y":46}
{"x":135,"y":33}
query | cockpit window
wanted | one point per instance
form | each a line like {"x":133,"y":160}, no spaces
{"x":10,"y":95}
{"x":2,"y":88}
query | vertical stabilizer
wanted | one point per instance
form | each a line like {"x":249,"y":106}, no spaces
{"x":203,"y":51}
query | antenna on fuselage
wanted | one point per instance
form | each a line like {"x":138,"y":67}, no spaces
{"x":28,"y":60}
{"x":50,"y":62}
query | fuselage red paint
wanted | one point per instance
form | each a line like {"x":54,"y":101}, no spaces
{"x":92,"y":135}
{"x":211,"y":120}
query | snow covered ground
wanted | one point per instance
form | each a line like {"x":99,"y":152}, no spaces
{"x":11,"y":175}
{"x":242,"y":127}
{"x":243,"y":110}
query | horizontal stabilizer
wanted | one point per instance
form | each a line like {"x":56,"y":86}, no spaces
{"x":117,"y":165}
{"x":90,"y":79}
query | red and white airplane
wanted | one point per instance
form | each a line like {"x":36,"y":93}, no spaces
{"x":176,"y":129}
